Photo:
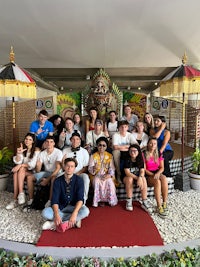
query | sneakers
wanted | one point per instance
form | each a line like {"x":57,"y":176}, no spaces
{"x":165,"y":207}
{"x":129,"y":205}
{"x":161,"y":212}
{"x":12,"y":205}
{"x":61,"y":228}
{"x":21,"y":198}
{"x":78,"y":224}
{"x":146,"y":205}
{"x":48,"y":204}
{"x":28,"y":206}
{"x":49,"y":225}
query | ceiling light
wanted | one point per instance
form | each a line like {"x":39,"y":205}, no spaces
{"x":139,"y":88}
{"x":128,"y":88}
{"x":87,"y":77}
{"x":61,"y":88}
{"x":156,"y":83}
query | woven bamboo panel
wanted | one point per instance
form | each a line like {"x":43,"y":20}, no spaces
{"x":25,"y":114}
{"x":6,"y":132}
{"x":20,"y":115}
{"x":191,"y":126}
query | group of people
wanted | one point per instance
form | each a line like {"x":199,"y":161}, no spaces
{"x":68,"y":156}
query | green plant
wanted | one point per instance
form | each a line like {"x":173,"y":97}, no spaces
{"x":196,"y":161}
{"x":5,"y":159}
{"x":190,"y":257}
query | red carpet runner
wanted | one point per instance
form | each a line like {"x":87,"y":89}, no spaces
{"x":108,"y":227}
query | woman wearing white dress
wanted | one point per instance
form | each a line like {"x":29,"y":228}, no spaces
{"x":25,"y":161}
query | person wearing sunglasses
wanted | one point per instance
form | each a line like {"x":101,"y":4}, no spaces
{"x":135,"y":175}
{"x":102,"y":174}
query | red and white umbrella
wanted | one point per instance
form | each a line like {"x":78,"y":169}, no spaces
{"x":184,"y":79}
{"x":15,"y":81}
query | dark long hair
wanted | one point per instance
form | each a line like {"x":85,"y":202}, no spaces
{"x":112,"y":111}
{"x":33,"y":145}
{"x":61,"y":125}
{"x":93,"y":108}
{"x":81,"y":122}
{"x":139,"y":158}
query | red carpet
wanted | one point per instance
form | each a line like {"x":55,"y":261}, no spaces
{"x":107,"y":227}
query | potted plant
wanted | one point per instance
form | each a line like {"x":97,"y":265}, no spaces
{"x":5,"y":160}
{"x":194,"y":174}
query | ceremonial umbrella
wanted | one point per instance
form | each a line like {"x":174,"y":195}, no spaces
{"x":182,"y":81}
{"x":15,"y":82}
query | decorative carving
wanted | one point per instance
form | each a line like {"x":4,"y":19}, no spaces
{"x":101,"y":95}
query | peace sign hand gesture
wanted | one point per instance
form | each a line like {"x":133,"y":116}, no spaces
{"x":20,"y":149}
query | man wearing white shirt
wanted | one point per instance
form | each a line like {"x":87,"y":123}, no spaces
{"x":51,"y":159}
{"x":82,"y":157}
{"x":121,"y":142}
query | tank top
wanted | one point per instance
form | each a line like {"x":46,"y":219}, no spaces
{"x":160,"y":141}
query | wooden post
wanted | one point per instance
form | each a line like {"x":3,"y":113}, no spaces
{"x":14,"y":123}
{"x":183,"y":129}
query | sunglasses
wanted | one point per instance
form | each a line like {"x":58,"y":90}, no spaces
{"x":102,"y":145}
{"x":133,"y":150}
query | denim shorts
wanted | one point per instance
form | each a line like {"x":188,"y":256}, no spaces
{"x":39,"y":175}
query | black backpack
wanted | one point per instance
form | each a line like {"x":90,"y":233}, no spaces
{"x":41,"y":197}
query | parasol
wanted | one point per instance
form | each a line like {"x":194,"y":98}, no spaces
{"x":15,"y":82}
{"x":182,"y":81}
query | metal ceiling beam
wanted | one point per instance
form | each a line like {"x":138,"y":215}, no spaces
{"x":116,"y":78}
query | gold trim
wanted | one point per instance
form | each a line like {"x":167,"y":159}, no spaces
{"x":12,"y":55}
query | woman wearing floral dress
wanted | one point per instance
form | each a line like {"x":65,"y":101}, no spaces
{"x":102,"y":170}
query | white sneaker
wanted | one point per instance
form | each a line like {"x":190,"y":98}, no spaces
{"x":49,"y":225}
{"x":146,"y":205}
{"x":129,"y":204}
{"x":21,"y":198}
{"x":78,"y":224}
{"x":48,"y":204}
{"x":30,"y":201}
{"x":12,"y":205}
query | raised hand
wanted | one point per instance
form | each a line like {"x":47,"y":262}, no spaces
{"x":20,"y":149}
{"x":39,"y":131}
{"x":63,"y":134}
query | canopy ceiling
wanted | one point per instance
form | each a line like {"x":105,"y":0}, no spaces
{"x":137,"y":42}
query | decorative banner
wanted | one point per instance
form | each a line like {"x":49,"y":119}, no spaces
{"x":45,"y":103}
{"x":39,"y":104}
{"x":137,"y":102}
{"x":69,"y":104}
{"x":156,"y":105}
{"x":165,"y":104}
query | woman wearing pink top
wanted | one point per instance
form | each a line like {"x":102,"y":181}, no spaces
{"x":154,"y":167}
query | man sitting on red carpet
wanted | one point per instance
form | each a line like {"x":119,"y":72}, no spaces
{"x":67,"y":209}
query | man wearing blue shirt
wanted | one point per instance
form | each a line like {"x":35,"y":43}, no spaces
{"x":67,"y":209}
{"x":41,"y":128}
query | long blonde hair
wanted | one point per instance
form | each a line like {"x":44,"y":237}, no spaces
{"x":152,"y":120}
{"x":155,"y":152}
